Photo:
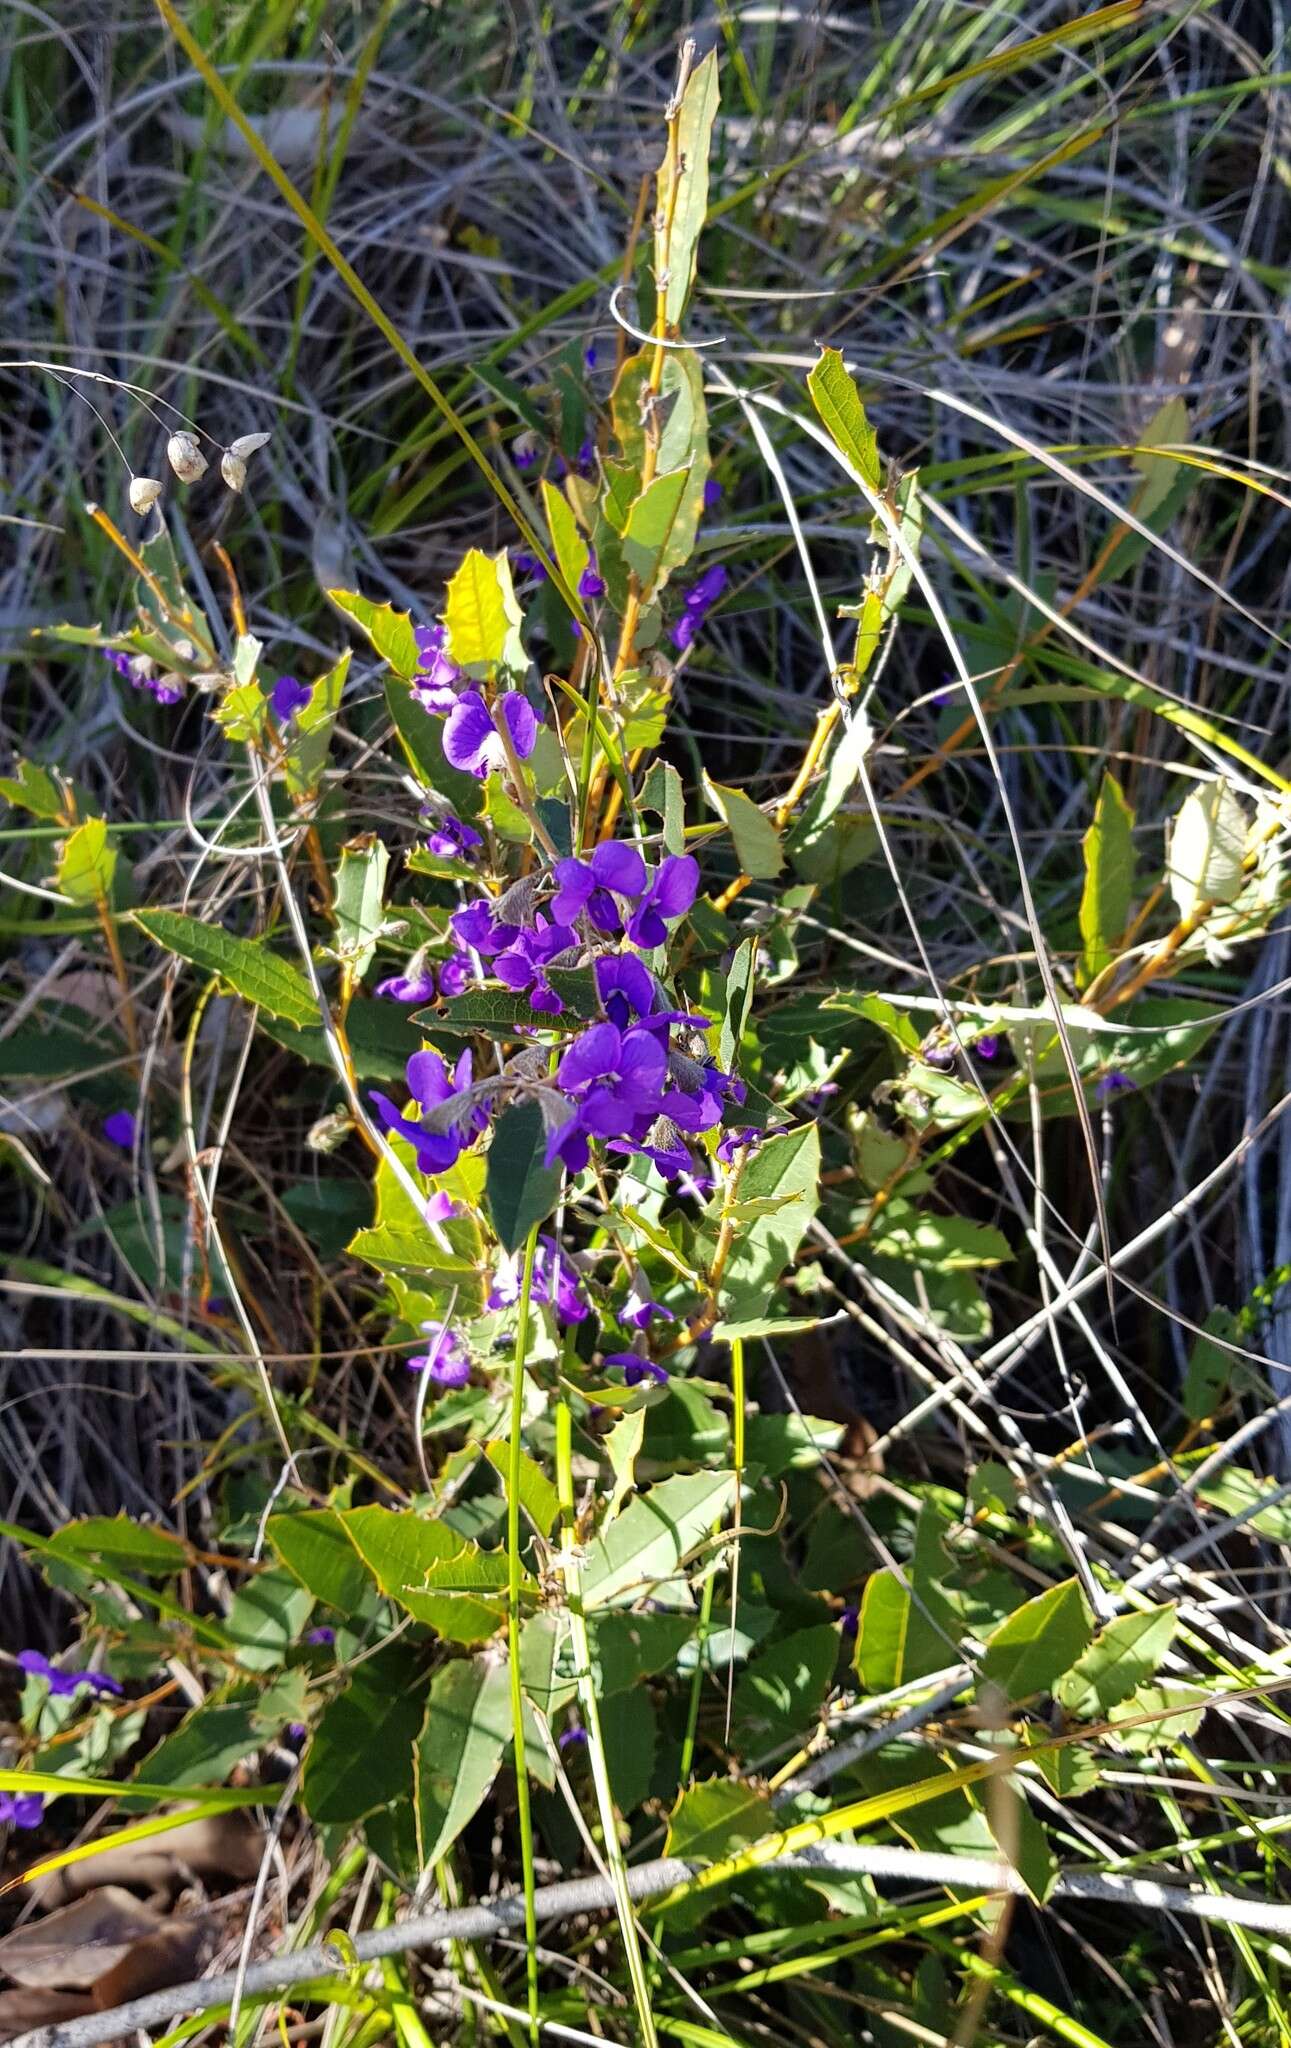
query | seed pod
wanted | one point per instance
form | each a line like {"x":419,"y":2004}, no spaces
{"x":185,"y":458}
{"x":247,"y":444}
{"x":233,"y":469}
{"x":144,"y":493}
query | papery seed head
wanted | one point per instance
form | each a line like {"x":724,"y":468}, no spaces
{"x":185,"y":458}
{"x":247,"y":444}
{"x":233,"y":469}
{"x":144,"y":493}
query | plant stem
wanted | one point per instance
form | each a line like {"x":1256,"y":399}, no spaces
{"x":513,"y":1628}
{"x":570,"y":1572}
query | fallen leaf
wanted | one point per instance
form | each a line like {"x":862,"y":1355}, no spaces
{"x":69,"y":1949}
{"x":225,"y":1846}
{"x":22,"y":2010}
{"x":179,"y":1950}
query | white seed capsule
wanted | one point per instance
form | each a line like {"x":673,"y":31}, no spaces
{"x":144,"y":493}
{"x":233,"y":469}
{"x":185,"y":458}
{"x":247,"y":444}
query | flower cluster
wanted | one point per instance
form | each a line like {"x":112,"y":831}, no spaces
{"x":142,"y":673}
{"x":477,"y":737}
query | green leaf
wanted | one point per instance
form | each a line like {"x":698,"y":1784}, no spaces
{"x":662,"y":793}
{"x":1031,"y":1649}
{"x":785,"y":1164}
{"x":390,"y":632}
{"x":650,"y":524}
{"x":841,"y":771}
{"x":840,"y":411}
{"x":757,"y":842}
{"x":244,"y":965}
{"x":360,"y":905}
{"x":266,"y":1617}
{"x":683,"y":447}
{"x":1021,"y":1839}
{"x":316,"y":1550}
{"x":381,"y":1036}
{"x":462,"y":1742}
{"x":781,"y":1690}
{"x":629,"y":1648}
{"x":1160,"y":1716}
{"x":713,"y":1820}
{"x":421,"y":735}
{"x":86,"y":864}
{"x":907,"y":1626}
{"x":690,"y":204}
{"x":1109,"y":878}
{"x":1210,"y":1367}
{"x":567,"y":543}
{"x":501,"y":1011}
{"x":207,"y":1745}
{"x":116,"y":1540}
{"x":34,"y":790}
{"x":308,"y":739}
{"x":944,"y":1244}
{"x":361,"y":1754}
{"x":546,"y":1662}
{"x":642,"y":1551}
{"x":521,"y":1190}
{"x":740,"y":976}
{"x":1207,"y":848}
{"x":482,"y":616}
{"x":538,"y":1497}
{"x":434,"y":1573}
{"x":1124,"y":1655}
{"x":629,"y":1736}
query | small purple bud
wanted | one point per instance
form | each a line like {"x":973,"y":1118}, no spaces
{"x":121,"y":1128}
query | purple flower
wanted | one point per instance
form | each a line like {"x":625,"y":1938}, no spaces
{"x":452,"y":839}
{"x":523,"y":964}
{"x":638,"y":1308}
{"x":671,"y":892}
{"x":589,"y":355}
{"x":712,"y":493}
{"x":440,"y":1208}
{"x":138,"y":671}
{"x":435,"y":683}
{"x":1112,"y":1084}
{"x":455,"y":974}
{"x":121,"y":1128}
{"x":616,"y":1076}
{"x":849,"y":1622}
{"x":698,"y":602}
{"x":572,"y":1738}
{"x":479,"y":929}
{"x":524,"y":451}
{"x":586,"y":456}
{"x":615,"y":869}
{"x":63,"y":1683}
{"x":320,"y":1636}
{"x":555,"y":1281}
{"x":625,"y":986}
{"x":432,"y":1089}
{"x":987,"y":1047}
{"x":472,"y":741}
{"x":416,"y":986}
{"x":287,"y":697}
{"x":738,"y":1140}
{"x":22,"y":1809}
{"x":447,"y":1359}
{"x":526,"y":564}
{"x":636,"y":1369}
{"x":591,"y":583}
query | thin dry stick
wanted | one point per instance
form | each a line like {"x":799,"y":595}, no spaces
{"x":559,"y":1902}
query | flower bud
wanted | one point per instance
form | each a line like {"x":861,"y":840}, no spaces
{"x":233,"y":469}
{"x":185,"y":458}
{"x":144,"y":493}
{"x":247,"y":444}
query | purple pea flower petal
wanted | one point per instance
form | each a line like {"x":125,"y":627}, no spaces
{"x":635,"y":1369}
{"x":1112,"y":1084}
{"x":477,"y":928}
{"x":521,"y":721}
{"x":321,"y":1637}
{"x":638,"y":1308}
{"x":446,"y":1359}
{"x":63,"y":1683}
{"x":712,"y":493}
{"x":591,"y":584}
{"x":619,"y":867}
{"x":452,"y":839}
{"x":987,"y":1046}
{"x":22,"y":1809}
{"x":526,"y":564}
{"x":625,"y":987}
{"x":288,"y":697}
{"x":455,"y":975}
{"x":441,"y":1208}
{"x":705,"y":591}
{"x":416,"y":986}
{"x":470,"y":742}
{"x":121,"y":1128}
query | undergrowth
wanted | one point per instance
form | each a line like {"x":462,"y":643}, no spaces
{"x":644,"y":1128}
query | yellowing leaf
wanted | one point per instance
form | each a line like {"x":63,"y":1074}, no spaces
{"x":87,"y":863}
{"x":390,"y":632}
{"x":482,"y":615}
{"x":1207,"y":846}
